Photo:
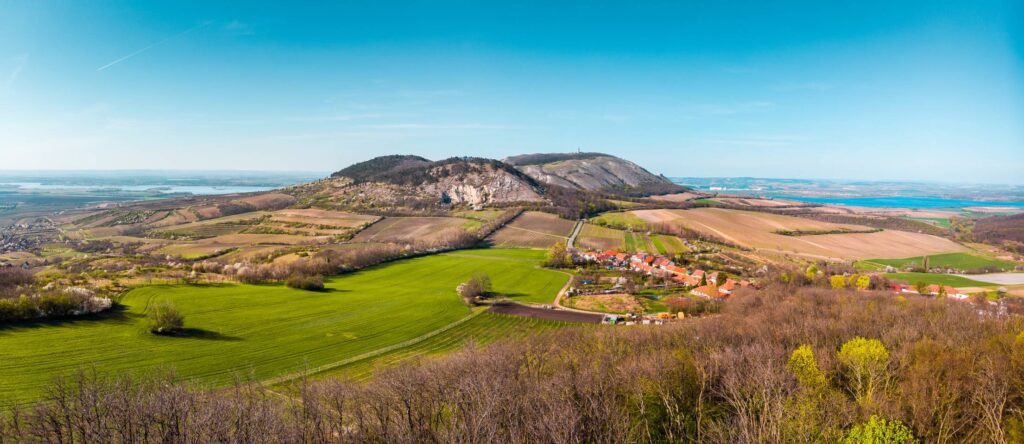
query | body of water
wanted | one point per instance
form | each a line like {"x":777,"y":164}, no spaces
{"x":903,"y":202}
{"x":163,"y":189}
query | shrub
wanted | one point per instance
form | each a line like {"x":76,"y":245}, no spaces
{"x":880,"y":431}
{"x":305,"y":282}
{"x":165,"y":320}
{"x":476,"y":287}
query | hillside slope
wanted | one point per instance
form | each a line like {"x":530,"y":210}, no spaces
{"x":593,"y":172}
{"x":415,"y":182}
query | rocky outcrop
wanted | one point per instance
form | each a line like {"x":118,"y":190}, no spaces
{"x":484,"y":189}
{"x":591,"y":172}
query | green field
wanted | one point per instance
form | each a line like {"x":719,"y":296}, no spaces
{"x":942,"y":222}
{"x":265,"y":331}
{"x":483,"y":329}
{"x":621,"y":220}
{"x":939,"y":279}
{"x":960,"y":261}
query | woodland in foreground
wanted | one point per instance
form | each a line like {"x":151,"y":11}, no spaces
{"x":780,"y":365}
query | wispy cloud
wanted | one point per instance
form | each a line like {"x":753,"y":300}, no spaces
{"x":18,"y":65}
{"x":151,"y":46}
{"x":437,"y":126}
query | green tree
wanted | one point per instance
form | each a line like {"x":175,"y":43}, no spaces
{"x":558,"y":256}
{"x":863,"y":282}
{"x":880,"y":431}
{"x":808,"y":421}
{"x":812,"y":272}
{"x":805,"y":368}
{"x":164,"y":319}
{"x":866,"y":362}
{"x":838,"y":282}
{"x":721,"y":278}
{"x":921,"y":287}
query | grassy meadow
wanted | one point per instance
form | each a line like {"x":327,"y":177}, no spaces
{"x":266,"y":330}
{"x":960,"y":261}
{"x":483,"y":329}
{"x":938,"y":279}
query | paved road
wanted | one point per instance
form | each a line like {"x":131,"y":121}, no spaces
{"x":575,"y":232}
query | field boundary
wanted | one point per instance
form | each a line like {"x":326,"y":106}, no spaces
{"x":380,"y":351}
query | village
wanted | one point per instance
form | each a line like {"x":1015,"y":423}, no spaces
{"x":661,"y":283}
{"x":668,"y":291}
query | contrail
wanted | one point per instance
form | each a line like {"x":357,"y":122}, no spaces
{"x":152,"y":45}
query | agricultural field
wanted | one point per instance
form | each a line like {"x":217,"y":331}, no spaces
{"x":484,"y":328}
{"x":939,"y":279}
{"x":533,"y":229}
{"x":959,"y":261}
{"x":268,"y":330}
{"x":593,"y":237}
{"x":677,"y":197}
{"x":409,"y":229}
{"x":318,"y":217}
{"x":607,"y":303}
{"x":622,"y":220}
{"x":668,"y":244}
{"x":759,"y":231}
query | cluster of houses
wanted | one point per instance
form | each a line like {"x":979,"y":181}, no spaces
{"x":932,"y":290}
{"x":701,"y":283}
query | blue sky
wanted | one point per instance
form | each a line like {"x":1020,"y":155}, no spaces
{"x":868,"y":90}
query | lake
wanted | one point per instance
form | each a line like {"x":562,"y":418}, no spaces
{"x":903,"y":202}
{"x":163,"y":189}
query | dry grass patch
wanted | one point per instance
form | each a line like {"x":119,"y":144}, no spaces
{"x":534,"y":230}
{"x":314,"y":216}
{"x":608,"y":303}
{"x":677,"y":197}
{"x":593,"y":237}
{"x":408,"y":229}
{"x":758,"y":230}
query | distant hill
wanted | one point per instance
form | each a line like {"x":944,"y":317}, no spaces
{"x":382,"y":165}
{"x":593,"y":172}
{"x":1001,"y":230}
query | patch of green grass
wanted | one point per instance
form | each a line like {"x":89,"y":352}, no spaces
{"x":942,"y":222}
{"x":622,"y":220}
{"x":267,"y":330}
{"x":938,"y":279}
{"x":960,"y":261}
{"x":659,"y":245}
{"x":672,"y":244}
{"x":483,"y":329}
{"x":630,"y":241}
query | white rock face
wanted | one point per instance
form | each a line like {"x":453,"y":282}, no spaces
{"x":483,"y":189}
